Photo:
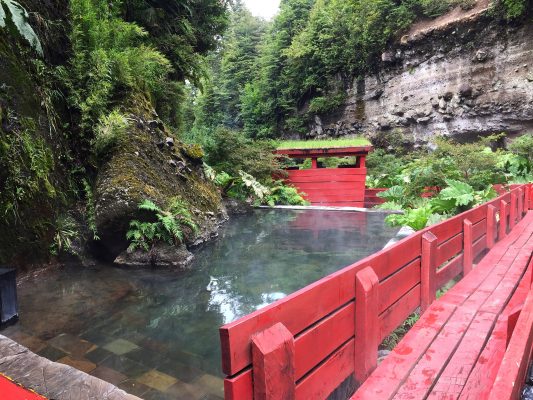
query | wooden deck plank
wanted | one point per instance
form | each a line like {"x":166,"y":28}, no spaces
{"x":452,"y":380}
{"x":482,"y":377}
{"x":396,"y":367}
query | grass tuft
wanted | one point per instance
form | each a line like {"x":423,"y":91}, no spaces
{"x":325,"y":143}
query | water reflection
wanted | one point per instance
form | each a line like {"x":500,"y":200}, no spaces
{"x":168,"y":321}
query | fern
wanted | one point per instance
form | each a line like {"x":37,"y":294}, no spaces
{"x":167,"y":228}
{"x":19,"y":17}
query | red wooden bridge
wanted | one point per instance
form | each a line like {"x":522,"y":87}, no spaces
{"x":474,"y":342}
{"x":337,"y":187}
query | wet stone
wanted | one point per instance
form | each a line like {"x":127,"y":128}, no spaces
{"x":134,"y":387}
{"x":109,"y":375}
{"x":98,"y":355}
{"x":52,"y":353}
{"x":125,"y":366}
{"x":80,"y":364}
{"x":121,"y":346}
{"x":186,"y":373}
{"x":71,"y":344}
{"x":157,"y":380}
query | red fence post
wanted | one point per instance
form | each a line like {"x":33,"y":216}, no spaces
{"x":366,"y":323}
{"x":527,"y":196}
{"x":512,"y":211}
{"x":273,"y":364}
{"x":468,"y":251}
{"x":428,"y":273}
{"x":504,"y":207}
{"x":520,"y":204}
{"x":491,"y":226}
{"x":512,"y":319}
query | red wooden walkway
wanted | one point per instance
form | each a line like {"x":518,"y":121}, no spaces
{"x":11,"y":391}
{"x":326,"y":335}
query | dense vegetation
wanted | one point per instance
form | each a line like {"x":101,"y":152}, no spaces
{"x":270,"y":79}
{"x":431,"y":186}
{"x":80,"y":77}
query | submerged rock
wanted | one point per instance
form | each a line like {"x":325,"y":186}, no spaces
{"x":161,"y":256}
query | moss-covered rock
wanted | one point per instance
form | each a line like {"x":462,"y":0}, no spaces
{"x":149,"y":164}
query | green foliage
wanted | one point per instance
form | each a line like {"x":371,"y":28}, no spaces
{"x":110,"y":131}
{"x":416,"y":218}
{"x":325,"y":104}
{"x":165,"y":226}
{"x":90,"y":209}
{"x":514,"y":8}
{"x":455,"y":198}
{"x":284,"y":195}
{"x":245,"y":187}
{"x":65,"y":231}
{"x":394,"y":338}
{"x":19,"y":17}
{"x":110,"y":60}
{"x":232,"y":152}
{"x":26,"y":166}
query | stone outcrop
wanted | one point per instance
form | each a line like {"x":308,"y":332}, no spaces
{"x":150,"y":164}
{"x":458,"y":77}
{"x":53,"y":380}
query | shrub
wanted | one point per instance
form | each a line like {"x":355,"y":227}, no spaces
{"x":166,"y":226}
{"x":65,"y":231}
{"x":110,"y":60}
{"x":19,"y":18}
{"x":111,"y":129}
{"x":231,"y":151}
{"x":281,"y":194}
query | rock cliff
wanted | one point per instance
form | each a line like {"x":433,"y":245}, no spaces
{"x":461,"y":75}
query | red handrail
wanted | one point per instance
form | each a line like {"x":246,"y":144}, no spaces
{"x":324,"y":318}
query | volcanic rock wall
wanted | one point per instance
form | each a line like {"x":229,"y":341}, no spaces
{"x":468,"y":76}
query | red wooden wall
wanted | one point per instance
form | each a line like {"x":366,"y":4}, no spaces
{"x":335,"y":187}
{"x":305,"y":345}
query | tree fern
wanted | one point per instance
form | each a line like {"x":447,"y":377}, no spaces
{"x":19,"y":17}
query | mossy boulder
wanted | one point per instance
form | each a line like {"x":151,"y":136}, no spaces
{"x":148,"y":163}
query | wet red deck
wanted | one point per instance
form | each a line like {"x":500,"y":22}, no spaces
{"x":11,"y":391}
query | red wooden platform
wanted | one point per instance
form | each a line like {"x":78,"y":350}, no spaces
{"x":309,"y":343}
{"x":11,"y":391}
{"x":336,"y":187}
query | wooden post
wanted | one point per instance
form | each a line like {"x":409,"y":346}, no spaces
{"x":512,"y":319}
{"x":367,"y":331}
{"x":362,"y":162}
{"x":491,"y":226}
{"x":520,"y":204}
{"x":527,"y":197}
{"x":314,"y":163}
{"x":428,"y":289}
{"x":468,"y":251}
{"x":273,"y":364}
{"x":512,"y":211}
{"x":504,"y":206}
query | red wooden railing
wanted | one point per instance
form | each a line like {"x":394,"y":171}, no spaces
{"x":307,"y":344}
{"x":519,"y":353}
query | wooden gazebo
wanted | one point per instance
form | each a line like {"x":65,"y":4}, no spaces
{"x":335,"y":187}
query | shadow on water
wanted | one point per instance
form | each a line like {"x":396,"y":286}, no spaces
{"x":155,"y":333}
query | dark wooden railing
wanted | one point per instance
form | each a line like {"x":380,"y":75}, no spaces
{"x":307,"y":344}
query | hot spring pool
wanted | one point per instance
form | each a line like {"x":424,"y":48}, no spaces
{"x":155,"y":333}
